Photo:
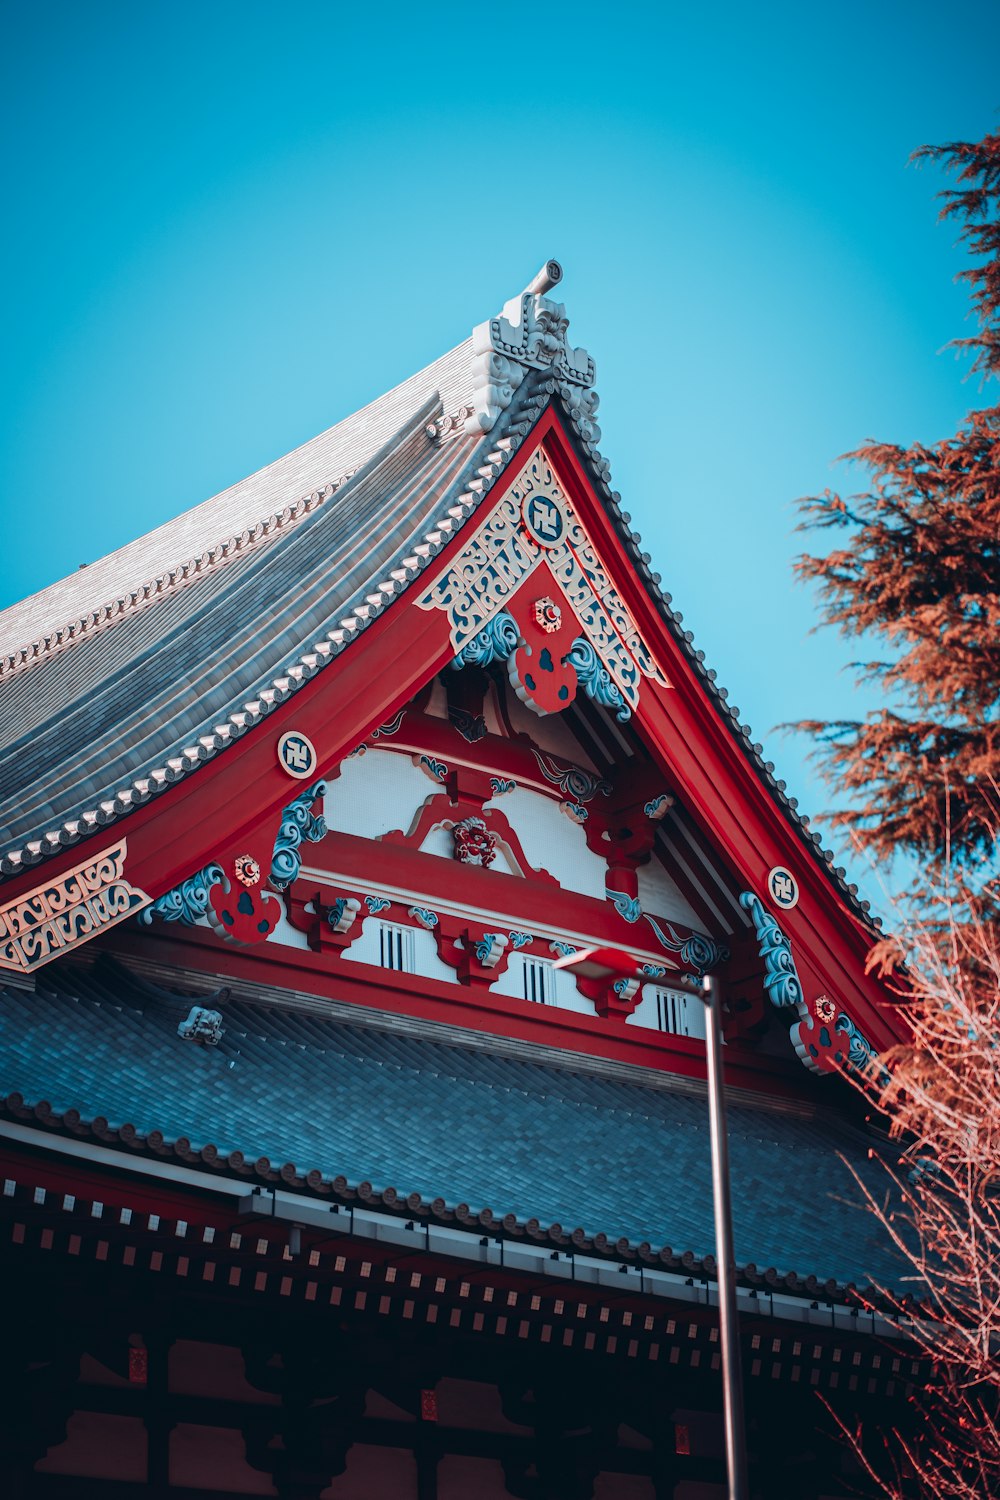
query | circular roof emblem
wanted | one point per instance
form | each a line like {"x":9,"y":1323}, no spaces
{"x":297,"y":755}
{"x":783,"y":888}
{"x":543,"y":519}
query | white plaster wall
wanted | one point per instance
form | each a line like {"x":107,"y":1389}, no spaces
{"x":376,"y":793}
{"x":461,"y":1478}
{"x":661,"y":896}
{"x":99,"y":1446}
{"x":567,"y":996}
{"x":213,"y":1458}
{"x":625,"y":1487}
{"x":373,"y":1473}
{"x":437,"y":703}
{"x":366,"y":950}
{"x":552,"y":841}
{"x":494,"y":723}
{"x":203,"y":1369}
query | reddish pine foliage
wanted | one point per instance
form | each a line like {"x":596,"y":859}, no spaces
{"x":943,"y":1214}
{"x":919,"y":573}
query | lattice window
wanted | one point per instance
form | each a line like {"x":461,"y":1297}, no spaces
{"x":675,"y":1013}
{"x":395,"y":947}
{"x":539,"y":980}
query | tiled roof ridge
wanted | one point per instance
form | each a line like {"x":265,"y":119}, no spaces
{"x":214,"y":1159}
{"x":478,"y":478}
{"x":312,"y":1182}
{"x":185,"y":573}
{"x":339,"y":448}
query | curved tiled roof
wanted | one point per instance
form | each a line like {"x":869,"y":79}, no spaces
{"x":240,"y":509}
{"x":125,"y":699}
{"x":171,"y":671}
{"x":436,"y":1129}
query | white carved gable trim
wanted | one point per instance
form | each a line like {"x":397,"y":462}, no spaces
{"x":504,"y":549}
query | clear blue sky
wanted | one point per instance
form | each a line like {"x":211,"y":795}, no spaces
{"x":230,"y":224}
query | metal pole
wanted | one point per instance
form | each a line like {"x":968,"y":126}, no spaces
{"x":732,"y":1370}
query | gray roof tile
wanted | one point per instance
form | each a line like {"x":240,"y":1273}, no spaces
{"x":346,"y":446}
{"x":441,"y":1120}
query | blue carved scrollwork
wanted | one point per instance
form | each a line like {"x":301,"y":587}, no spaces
{"x":298,"y":824}
{"x":436,"y":769}
{"x":595,"y":679}
{"x":390,"y":727}
{"x":375,"y":904}
{"x":520,"y":939}
{"x":702,"y":952}
{"x":495,"y":642}
{"x":489,"y":947}
{"x":781,"y":979}
{"x":697,"y":950}
{"x":572,"y":781}
{"x":471,"y":727}
{"x":425,"y":917}
{"x":653,"y":971}
{"x":563,"y":949}
{"x":625,"y":905}
{"x":860,"y":1052}
{"x":187,"y":901}
{"x":499,"y":785}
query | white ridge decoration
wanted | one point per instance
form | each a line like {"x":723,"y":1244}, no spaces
{"x":529,"y":334}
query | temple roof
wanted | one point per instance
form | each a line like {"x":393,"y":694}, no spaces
{"x":331,"y":1106}
{"x":157,"y":658}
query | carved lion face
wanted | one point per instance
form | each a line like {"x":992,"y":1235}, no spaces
{"x":474,"y":844}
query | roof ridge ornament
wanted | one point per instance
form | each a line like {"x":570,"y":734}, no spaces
{"x":530,"y":333}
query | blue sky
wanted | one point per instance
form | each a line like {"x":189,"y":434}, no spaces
{"x":229,"y":225}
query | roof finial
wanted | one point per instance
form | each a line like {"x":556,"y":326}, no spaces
{"x":549,"y":276}
{"x":529,"y":334}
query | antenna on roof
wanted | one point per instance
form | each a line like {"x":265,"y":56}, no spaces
{"x":549,"y":276}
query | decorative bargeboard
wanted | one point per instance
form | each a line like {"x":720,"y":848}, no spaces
{"x":535,"y":521}
{"x":63,"y":913}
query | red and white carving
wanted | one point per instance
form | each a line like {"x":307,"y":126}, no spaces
{"x":246,"y":869}
{"x":548,"y":615}
{"x":474,"y":844}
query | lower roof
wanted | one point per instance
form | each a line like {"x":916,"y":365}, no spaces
{"x":332,"y":1105}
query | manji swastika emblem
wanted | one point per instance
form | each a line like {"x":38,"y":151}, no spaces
{"x":297,"y":755}
{"x":783,"y":888}
{"x":543,"y":519}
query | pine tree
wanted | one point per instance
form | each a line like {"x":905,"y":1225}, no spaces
{"x":919,"y":574}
